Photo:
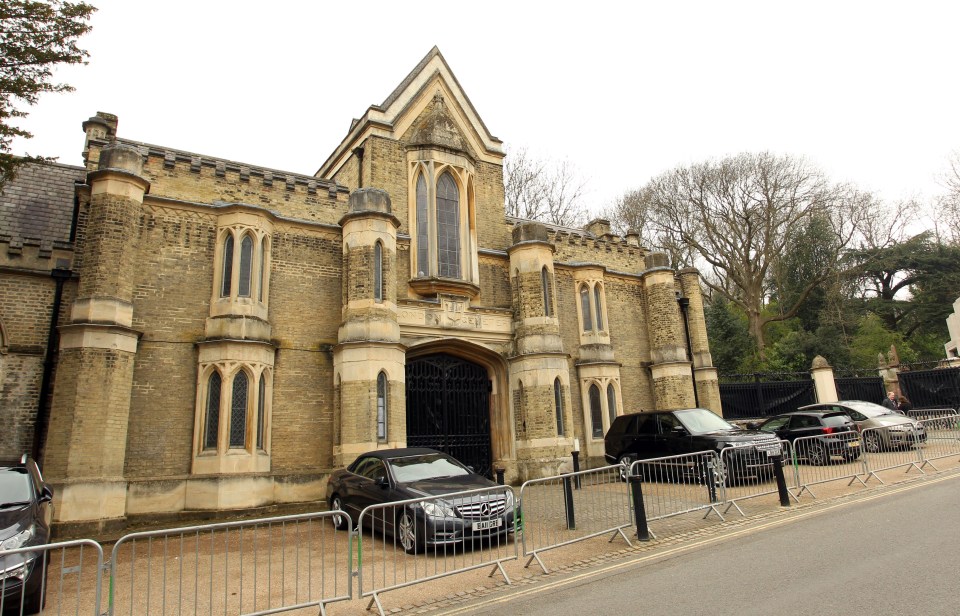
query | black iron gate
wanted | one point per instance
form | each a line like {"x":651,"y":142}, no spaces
{"x":448,"y":408}
{"x":759,"y":398}
{"x":932,"y":388}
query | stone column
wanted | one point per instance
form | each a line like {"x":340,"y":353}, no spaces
{"x":670,"y":368}
{"x":369,"y":335}
{"x":86,"y":447}
{"x":823,"y":381}
{"x":539,"y":359}
{"x":705,"y":374}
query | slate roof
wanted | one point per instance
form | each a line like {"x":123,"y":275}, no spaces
{"x":37,"y":206}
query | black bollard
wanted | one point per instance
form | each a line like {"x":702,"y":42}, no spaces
{"x":576,"y":468}
{"x":639,"y":511}
{"x":499,"y":472}
{"x":568,"y":502}
{"x":711,"y":479}
{"x":781,"y":480}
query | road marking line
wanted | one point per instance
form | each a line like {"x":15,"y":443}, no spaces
{"x":689,"y":547}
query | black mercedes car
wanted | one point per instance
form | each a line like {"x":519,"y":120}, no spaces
{"x":24,"y":521}
{"x":392,"y":475}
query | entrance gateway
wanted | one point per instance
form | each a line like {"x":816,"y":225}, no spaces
{"x":448,"y":408}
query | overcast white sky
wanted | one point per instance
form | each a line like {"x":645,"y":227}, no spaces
{"x":868,"y":91}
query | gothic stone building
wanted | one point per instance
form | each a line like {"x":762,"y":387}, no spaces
{"x":180,"y":332}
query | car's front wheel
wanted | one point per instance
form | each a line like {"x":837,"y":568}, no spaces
{"x":626,"y":461}
{"x":33,"y":603}
{"x":871,"y":442}
{"x":407,"y":532}
{"x":339,"y":520}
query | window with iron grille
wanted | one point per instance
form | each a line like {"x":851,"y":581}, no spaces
{"x":227,"y":278}
{"x":448,"y":227}
{"x":246,"y":266}
{"x":212,"y":423}
{"x":238,"y":411}
{"x":558,"y":405}
{"x":261,"y":410}
{"x":596,"y":412}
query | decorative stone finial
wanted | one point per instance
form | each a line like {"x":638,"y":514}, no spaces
{"x":530,"y":231}
{"x":121,"y":157}
{"x":819,"y":362}
{"x":370,"y":200}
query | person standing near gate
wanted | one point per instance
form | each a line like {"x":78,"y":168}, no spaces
{"x":891,"y":401}
{"x":903,"y":405}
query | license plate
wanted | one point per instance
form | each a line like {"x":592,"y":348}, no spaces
{"x":853,"y":444}
{"x":487,"y":524}
{"x":770,"y":450}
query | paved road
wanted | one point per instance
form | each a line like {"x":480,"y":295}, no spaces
{"x":896,"y":553}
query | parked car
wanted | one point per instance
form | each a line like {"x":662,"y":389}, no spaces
{"x":391,"y":475}
{"x":837,"y":434}
{"x":641,"y":436}
{"x":896,"y":430}
{"x":25,"y":515}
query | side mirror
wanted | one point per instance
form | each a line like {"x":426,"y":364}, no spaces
{"x":382,"y":482}
{"x":678,"y":431}
{"x":46,"y":495}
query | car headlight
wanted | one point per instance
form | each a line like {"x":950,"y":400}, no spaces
{"x":437,"y":509}
{"x":17,"y":541}
{"x":509,"y":499}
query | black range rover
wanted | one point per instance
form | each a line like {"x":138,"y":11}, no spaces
{"x":641,"y":436}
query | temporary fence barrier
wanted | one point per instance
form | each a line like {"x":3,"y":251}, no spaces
{"x":65,"y":577}
{"x":892,"y":447}
{"x":262,"y":566}
{"x":686,"y":483}
{"x":824,"y":458}
{"x":943,"y":439}
{"x":748,"y":471}
{"x":943,"y":413}
{"x":564,"y":509}
{"x":456,"y":532}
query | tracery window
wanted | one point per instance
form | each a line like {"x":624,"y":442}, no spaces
{"x":246,"y":266}
{"x":591,"y":306}
{"x":558,"y":404}
{"x":212,"y":423}
{"x":238,"y":410}
{"x":448,"y":227}
{"x":547,"y":294}
{"x":382,"y":406}
{"x":261,"y":410}
{"x":596,"y":412}
{"x":227,"y":274}
{"x":243,"y":272}
{"x":598,"y":306}
{"x":585,"y":308}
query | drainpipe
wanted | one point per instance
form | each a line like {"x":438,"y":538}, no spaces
{"x":59,"y":276}
{"x":684,"y":303}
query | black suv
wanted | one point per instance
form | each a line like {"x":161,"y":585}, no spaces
{"x":25,"y":513}
{"x":640,"y":436}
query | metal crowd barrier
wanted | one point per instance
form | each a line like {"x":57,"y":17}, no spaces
{"x":263,"y":566}
{"x":60,"y":578}
{"x":564,"y":509}
{"x":943,"y":439}
{"x":417,"y":540}
{"x":687,"y":483}
{"x":748,"y":472}
{"x":820,"y":459}
{"x":892,"y":447}
{"x":932,"y":413}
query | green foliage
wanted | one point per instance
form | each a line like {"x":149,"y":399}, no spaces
{"x":35,"y":38}
{"x":873,"y":338}
{"x":730,"y":344}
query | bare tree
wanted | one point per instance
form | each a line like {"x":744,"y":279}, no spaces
{"x":947,"y":215}
{"x":539,"y":190}
{"x":737,"y":216}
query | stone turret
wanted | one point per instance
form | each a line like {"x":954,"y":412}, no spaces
{"x":670,"y":367}
{"x":707,"y":381}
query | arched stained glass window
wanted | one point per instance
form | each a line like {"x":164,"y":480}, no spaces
{"x":227,"y":279}
{"x":611,"y":402}
{"x":558,"y":404}
{"x":585,"y":308}
{"x":423,"y":229}
{"x":448,"y":227}
{"x":246,"y":266}
{"x":238,"y":411}
{"x":382,"y":406}
{"x":212,"y":423}
{"x":547,"y":295}
{"x":261,"y":410}
{"x":378,"y":272}
{"x":263,"y":265}
{"x":598,"y":306}
{"x":596,"y":412}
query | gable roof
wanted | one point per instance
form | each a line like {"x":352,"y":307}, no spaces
{"x":395,"y":114}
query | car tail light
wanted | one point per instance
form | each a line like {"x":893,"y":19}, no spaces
{"x":828,"y":430}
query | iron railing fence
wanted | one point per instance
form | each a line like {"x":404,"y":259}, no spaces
{"x":869,"y":388}
{"x":407,"y":542}
{"x":262,"y":566}
{"x":750,"y":400}
{"x":936,"y":388}
{"x":58,"y":578}
{"x":564,"y":509}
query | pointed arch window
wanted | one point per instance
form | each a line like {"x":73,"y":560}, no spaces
{"x":212,"y":421}
{"x":238,"y":411}
{"x":378,"y":272}
{"x":585,"y":308}
{"x":423,"y":228}
{"x":611,"y":402}
{"x":558,"y":404}
{"x":381,"y":407}
{"x":263,"y":261}
{"x":246,"y":266}
{"x":547,"y":294}
{"x":261,"y":410}
{"x":227,"y":278}
{"x":598,"y":307}
{"x":448,"y":227}
{"x":596,"y":412}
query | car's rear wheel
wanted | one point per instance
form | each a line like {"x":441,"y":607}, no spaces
{"x":817,"y":454}
{"x":407,"y":532}
{"x":339,"y":520}
{"x":33,"y":603}
{"x":872,"y":442}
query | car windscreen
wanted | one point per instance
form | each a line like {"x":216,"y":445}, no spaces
{"x":836,"y":420}
{"x":702,"y":421}
{"x":869,"y":409}
{"x":15,"y":486}
{"x":428,"y":466}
